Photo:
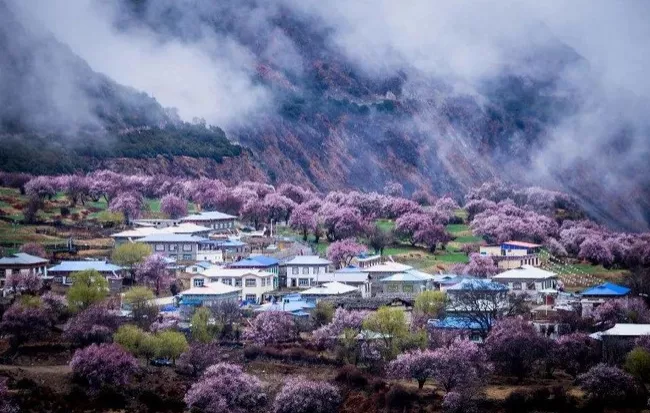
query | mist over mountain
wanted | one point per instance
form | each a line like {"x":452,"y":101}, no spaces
{"x":436,"y":95}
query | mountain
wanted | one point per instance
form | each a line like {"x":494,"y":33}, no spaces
{"x":334,"y":122}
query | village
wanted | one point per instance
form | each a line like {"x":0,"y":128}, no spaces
{"x":393,"y":294}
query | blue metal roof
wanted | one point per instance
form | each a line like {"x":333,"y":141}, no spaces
{"x":607,"y":289}
{"x":75,"y":266}
{"x":475,"y":284}
{"x":258,"y":261}
{"x":350,"y":268}
{"x":455,"y":323}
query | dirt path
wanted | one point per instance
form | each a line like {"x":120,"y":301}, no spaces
{"x":60,"y":369}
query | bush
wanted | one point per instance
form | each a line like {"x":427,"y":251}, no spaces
{"x":609,"y":385}
{"x":299,"y":395}
{"x":351,"y":376}
{"x":399,"y":398}
{"x":103,"y":365}
{"x":637,"y":363}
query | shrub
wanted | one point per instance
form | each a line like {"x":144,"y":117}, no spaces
{"x":26,"y":319}
{"x":95,"y":324}
{"x":199,"y":357}
{"x":88,"y":287}
{"x":6,"y":405}
{"x":299,"y":395}
{"x":607,"y":384}
{"x":351,"y":376}
{"x":103,"y":365}
{"x":226,"y":388}
{"x":399,"y":398}
{"x":271,"y":327}
{"x":637,"y":363}
{"x":171,"y":345}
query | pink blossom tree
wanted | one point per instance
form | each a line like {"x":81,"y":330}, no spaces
{"x":255,"y":211}
{"x":341,"y":222}
{"x":596,"y":251}
{"x":299,"y":395}
{"x":28,"y":283}
{"x":303,"y":220}
{"x":103,"y":365}
{"x":77,"y":188}
{"x":576,"y":353}
{"x":295,"y":193}
{"x":342,"y":252}
{"x":515,"y":346}
{"x":396,"y":207}
{"x":624,"y":310}
{"x":607,"y":383}
{"x":408,"y":224}
{"x":393,"y":188}
{"x":446,"y":204}
{"x":199,"y":357}
{"x":130,"y":204}
{"x":153,"y":273}
{"x":173,"y":206}
{"x":226,"y":388}
{"x":476,"y":206}
{"x":279,"y":207}
{"x":33,"y":248}
{"x":423,"y":198}
{"x":481,"y":266}
{"x":343,"y":319}
{"x":430,"y":235}
{"x":259,"y":188}
{"x":554,"y":248}
{"x":95,"y":324}
{"x":41,"y":187}
{"x":419,"y":365}
{"x":271,"y":327}
{"x":369,"y":205}
{"x":26,"y":319}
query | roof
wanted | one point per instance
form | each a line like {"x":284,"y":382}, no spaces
{"x":233,"y":272}
{"x":223,"y":243}
{"x":521,"y":244}
{"x":257,"y":261}
{"x":331,"y":288}
{"x":184,"y":228}
{"x":349,"y":268}
{"x":345,"y":276}
{"x":171,"y":238}
{"x":446,"y":278}
{"x":366,"y":257}
{"x":607,"y":289}
{"x":308,"y":260}
{"x":215,"y":288}
{"x":290,"y":306}
{"x":136,"y":232}
{"x":525,"y":272}
{"x":455,"y":323}
{"x":420,"y":274}
{"x":75,"y":266}
{"x":404,"y":277}
{"x":208,"y":216}
{"x":475,"y":284}
{"x":20,"y":258}
{"x":388,"y":267}
{"x":628,"y":330}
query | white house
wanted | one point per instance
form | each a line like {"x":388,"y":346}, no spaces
{"x":209,"y":294}
{"x":330,"y":289}
{"x":354,"y":278}
{"x":253,"y":284}
{"x":216,"y":220}
{"x":304,"y":270}
{"x":527,"y":279}
{"x":381,"y":271}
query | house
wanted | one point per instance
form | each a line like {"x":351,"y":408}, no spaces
{"x":480,"y":300}
{"x":359,"y":280}
{"x":330,"y":289}
{"x":619,"y":340}
{"x":181,"y":247}
{"x":513,"y":254}
{"x":253,"y":283}
{"x":21,"y":263}
{"x":592,"y":297}
{"x":186,"y":228}
{"x":198,"y":267}
{"x":220,"y":251}
{"x":209,"y":294}
{"x":138,"y":233}
{"x":132,"y":235}
{"x":458,"y":326}
{"x":407,"y":282}
{"x":111,"y":272}
{"x":260,"y":262}
{"x":303,"y":270}
{"x":290,"y":303}
{"x":218,"y":221}
{"x":365,"y":260}
{"x":380,"y":271}
{"x":155,"y":222}
{"x":527,"y":279}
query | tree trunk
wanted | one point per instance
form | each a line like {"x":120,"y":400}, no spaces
{"x":421,"y":383}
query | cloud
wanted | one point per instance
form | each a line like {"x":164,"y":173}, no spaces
{"x":209,"y":77}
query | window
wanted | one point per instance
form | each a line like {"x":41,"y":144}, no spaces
{"x":187,"y":257}
{"x":160,"y":247}
{"x":195,"y":269}
{"x":407,"y":288}
{"x":294,"y":270}
{"x":187,"y":247}
{"x":263,"y":282}
{"x":251,"y":297}
{"x":530,"y":286}
{"x":198,"y":282}
{"x":316,"y":270}
{"x":227,"y":281}
{"x":251,"y":282}
{"x":173,"y":247}
{"x":516,"y":286}
{"x":237,"y":282}
{"x":392,"y":288}
{"x":173,"y":256}
{"x":305,"y":270}
{"x":303,"y":282}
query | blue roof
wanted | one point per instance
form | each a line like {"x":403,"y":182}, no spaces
{"x":607,"y":289}
{"x":75,"y":266}
{"x":453,"y":323}
{"x":223,"y":243}
{"x":475,"y":284}
{"x":258,"y":261}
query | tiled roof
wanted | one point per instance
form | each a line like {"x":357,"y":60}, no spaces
{"x":20,"y":258}
{"x":607,"y":289}
{"x":208,"y":216}
{"x":74,"y":266}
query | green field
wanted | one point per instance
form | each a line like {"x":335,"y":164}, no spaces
{"x":385,"y":224}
